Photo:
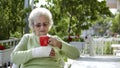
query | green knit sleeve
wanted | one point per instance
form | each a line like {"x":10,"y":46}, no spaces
{"x":20,"y":54}
{"x":68,"y":50}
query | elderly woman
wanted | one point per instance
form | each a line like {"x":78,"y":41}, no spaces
{"x":29,"y":54}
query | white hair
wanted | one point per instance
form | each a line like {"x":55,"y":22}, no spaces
{"x":37,"y":12}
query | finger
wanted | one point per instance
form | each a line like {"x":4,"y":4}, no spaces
{"x":50,"y":41}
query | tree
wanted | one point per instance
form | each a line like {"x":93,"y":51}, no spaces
{"x":72,"y":16}
{"x":115,"y":28}
{"x":12,"y":17}
{"x":102,"y":26}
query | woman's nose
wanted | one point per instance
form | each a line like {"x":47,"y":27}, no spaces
{"x":42,"y":27}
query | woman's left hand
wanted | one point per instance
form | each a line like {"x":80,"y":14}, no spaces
{"x":55,"y":42}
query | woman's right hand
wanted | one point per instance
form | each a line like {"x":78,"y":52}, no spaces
{"x":52,"y":53}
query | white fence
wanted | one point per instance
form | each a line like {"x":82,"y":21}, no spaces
{"x":5,"y":54}
{"x":102,"y":44}
{"x":98,"y":45}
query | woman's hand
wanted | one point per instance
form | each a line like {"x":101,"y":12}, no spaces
{"x":55,"y":42}
{"x":52,"y":53}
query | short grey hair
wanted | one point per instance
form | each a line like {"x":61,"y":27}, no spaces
{"x":37,"y":12}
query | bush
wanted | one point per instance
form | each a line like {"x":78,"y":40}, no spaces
{"x":4,"y":36}
{"x":107,"y":48}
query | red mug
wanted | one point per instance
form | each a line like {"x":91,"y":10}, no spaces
{"x":43,"y":40}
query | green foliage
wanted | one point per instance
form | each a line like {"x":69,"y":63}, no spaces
{"x":16,"y":35}
{"x":78,"y":39}
{"x":12,"y":17}
{"x":104,"y":24}
{"x":107,"y":48}
{"x":115,"y":28}
{"x":72,"y":16}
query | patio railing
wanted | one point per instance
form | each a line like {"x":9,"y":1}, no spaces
{"x":99,"y":46}
{"x":5,"y":54}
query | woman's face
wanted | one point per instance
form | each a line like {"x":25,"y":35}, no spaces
{"x":41,"y":26}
